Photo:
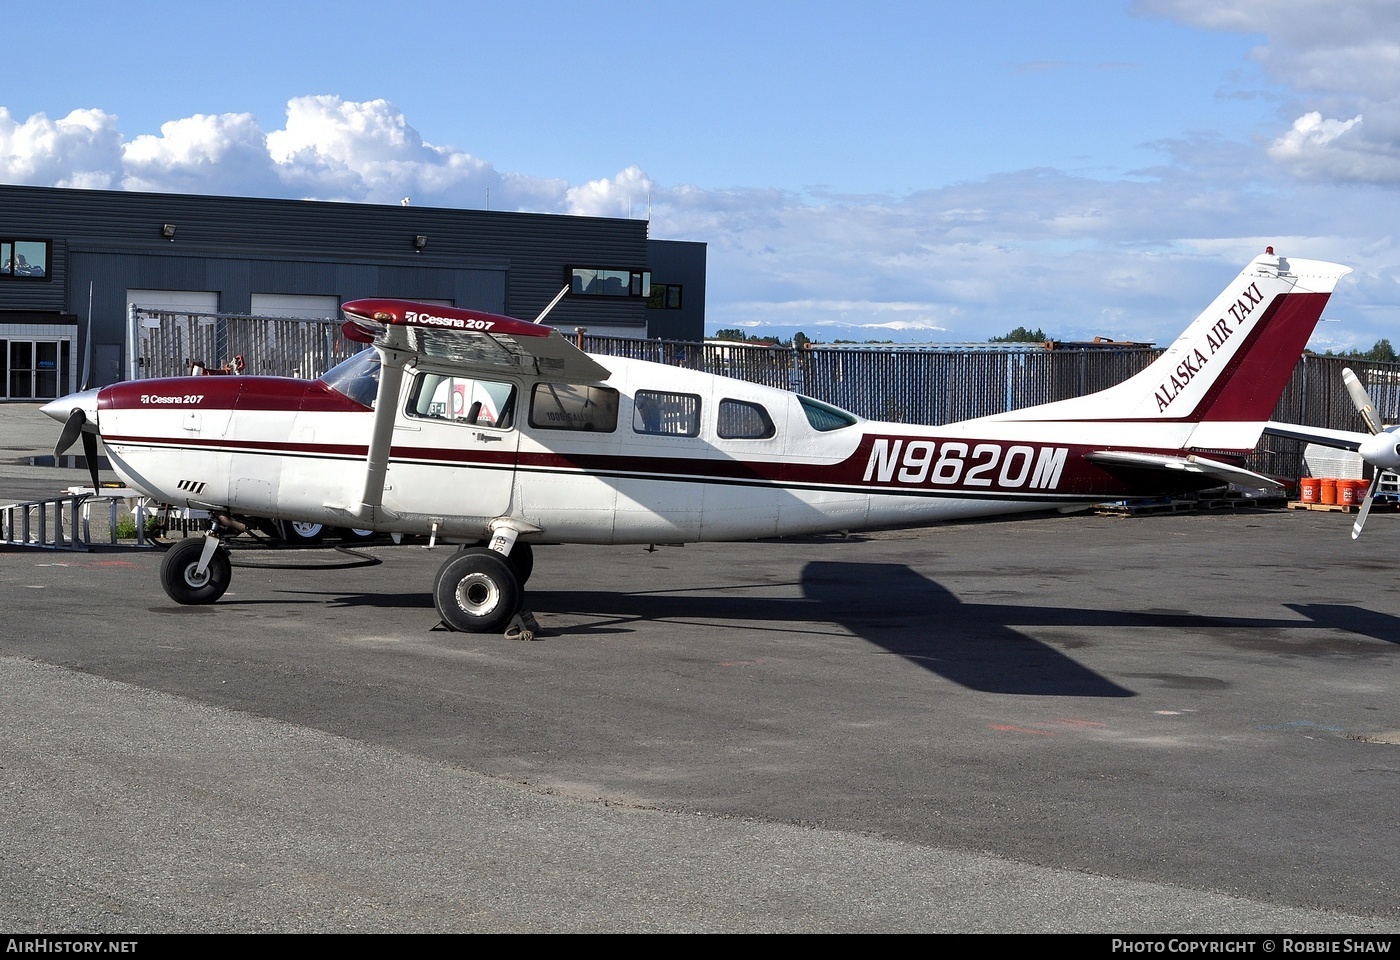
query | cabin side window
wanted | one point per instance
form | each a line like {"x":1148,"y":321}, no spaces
{"x":741,"y":420}
{"x":566,"y":406}
{"x":467,"y":400}
{"x":666,"y":414}
{"x":823,"y":416}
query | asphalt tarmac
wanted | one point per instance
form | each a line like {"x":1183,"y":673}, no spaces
{"x":1174,"y":724}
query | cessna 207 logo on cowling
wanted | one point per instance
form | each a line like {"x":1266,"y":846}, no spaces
{"x":967,"y":464}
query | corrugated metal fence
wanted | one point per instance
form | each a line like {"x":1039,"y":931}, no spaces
{"x":925,"y":386}
{"x":169,"y":342}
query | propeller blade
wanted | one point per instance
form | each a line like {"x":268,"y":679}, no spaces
{"x":1366,"y":505}
{"x":1362,"y":399}
{"x":90,"y":454}
{"x":71,"y":428}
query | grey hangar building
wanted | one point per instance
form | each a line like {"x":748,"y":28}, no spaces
{"x":76,"y":260}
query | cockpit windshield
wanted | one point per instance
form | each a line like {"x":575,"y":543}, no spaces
{"x":357,"y":378}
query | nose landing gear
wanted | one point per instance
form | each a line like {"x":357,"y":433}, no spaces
{"x":196,"y":571}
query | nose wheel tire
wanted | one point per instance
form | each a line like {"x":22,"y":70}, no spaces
{"x":477,"y":591}
{"x":180,"y":576}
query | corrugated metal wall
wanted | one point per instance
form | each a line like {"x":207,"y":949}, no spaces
{"x":109,"y":241}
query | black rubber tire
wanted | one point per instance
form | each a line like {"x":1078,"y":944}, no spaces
{"x":178,"y":578}
{"x":351,"y":535}
{"x":302,"y":532}
{"x":522,"y":557}
{"x":477,"y":591}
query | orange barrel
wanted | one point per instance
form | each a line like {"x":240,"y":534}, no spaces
{"x":1329,"y":490}
{"x":1361,"y":488}
{"x":1309,"y":489}
{"x":1346,"y":492}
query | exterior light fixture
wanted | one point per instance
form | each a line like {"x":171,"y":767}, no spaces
{"x":419,"y":242}
{"x":168,"y":232}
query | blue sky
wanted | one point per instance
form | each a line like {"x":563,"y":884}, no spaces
{"x":904,"y":170}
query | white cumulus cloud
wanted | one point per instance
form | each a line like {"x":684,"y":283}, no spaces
{"x":1342,"y":57}
{"x":201,"y":154}
{"x":625,"y":195}
{"x":81,"y":150}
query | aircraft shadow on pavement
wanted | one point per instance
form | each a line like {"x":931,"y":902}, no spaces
{"x":974,"y":645}
{"x":889,"y":605}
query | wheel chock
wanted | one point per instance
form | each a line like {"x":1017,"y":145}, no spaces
{"x":522,"y":626}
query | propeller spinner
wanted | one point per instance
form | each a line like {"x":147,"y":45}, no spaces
{"x":78,"y":413}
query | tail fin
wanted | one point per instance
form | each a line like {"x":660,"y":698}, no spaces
{"x":1226,"y":372}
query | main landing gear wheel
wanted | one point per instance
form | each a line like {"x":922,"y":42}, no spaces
{"x":522,"y":558}
{"x":302,"y":532}
{"x":179,"y":573}
{"x":477,"y":591}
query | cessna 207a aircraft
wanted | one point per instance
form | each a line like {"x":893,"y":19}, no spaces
{"x":500,"y":432}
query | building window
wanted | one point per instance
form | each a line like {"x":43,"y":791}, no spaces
{"x":601,"y":282}
{"x":664,"y":296}
{"x":24,"y":259}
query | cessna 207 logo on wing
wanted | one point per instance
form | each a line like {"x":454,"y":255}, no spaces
{"x":955,"y":463}
{"x":1216,"y":336}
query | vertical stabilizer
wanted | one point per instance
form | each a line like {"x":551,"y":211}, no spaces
{"x":1228,"y":369}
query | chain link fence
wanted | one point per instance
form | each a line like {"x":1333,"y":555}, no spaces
{"x":169,"y":343}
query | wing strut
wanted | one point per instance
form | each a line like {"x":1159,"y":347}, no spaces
{"x":391,"y":364}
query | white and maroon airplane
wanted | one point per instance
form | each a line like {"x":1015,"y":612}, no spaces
{"x":499,"y":432}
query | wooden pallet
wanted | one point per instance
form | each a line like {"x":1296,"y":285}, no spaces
{"x":1378,"y":505}
{"x":1144,"y":508}
{"x":1325,"y":508}
{"x":1162,"y":505}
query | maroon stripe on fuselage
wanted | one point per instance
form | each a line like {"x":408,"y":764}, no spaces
{"x":226,"y":393}
{"x":1077,"y":478}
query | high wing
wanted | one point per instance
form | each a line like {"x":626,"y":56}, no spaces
{"x":471,"y":340}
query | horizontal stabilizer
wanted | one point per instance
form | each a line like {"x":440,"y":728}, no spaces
{"x":1225,"y":472}
{"x":1341,"y":439}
